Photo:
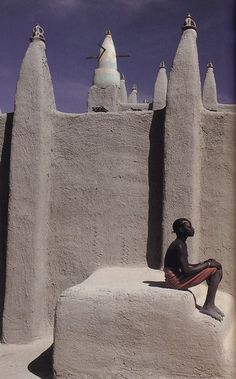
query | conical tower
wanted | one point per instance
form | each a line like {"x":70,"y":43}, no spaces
{"x":132,"y":99}
{"x":104,"y":94}
{"x":123,"y":91}
{"x":182,"y":151}
{"x":209,"y":96}
{"x":106,"y":73}
{"x":25,"y":310}
{"x":160,"y":89}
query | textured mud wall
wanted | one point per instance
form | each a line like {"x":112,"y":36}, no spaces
{"x":217,"y":225}
{"x":104,"y":97}
{"x":100,"y":194}
{"x":106,"y":194}
{"x":117,"y":324}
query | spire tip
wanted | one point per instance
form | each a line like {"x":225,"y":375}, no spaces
{"x":210,"y":65}
{"x":37,"y":33}
{"x":189,"y":23}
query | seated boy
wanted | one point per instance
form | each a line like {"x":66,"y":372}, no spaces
{"x":180,"y":274}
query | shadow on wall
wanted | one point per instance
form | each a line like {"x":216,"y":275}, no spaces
{"x":4,"y":196}
{"x":234,"y":205}
{"x":155,"y":179}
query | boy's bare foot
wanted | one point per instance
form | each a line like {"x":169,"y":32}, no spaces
{"x":212,"y":312}
{"x":218,"y":310}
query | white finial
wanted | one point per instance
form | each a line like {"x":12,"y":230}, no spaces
{"x":210,"y":65}
{"x":37,"y":33}
{"x":189,"y":23}
{"x":134,"y":87}
{"x":162,"y":65}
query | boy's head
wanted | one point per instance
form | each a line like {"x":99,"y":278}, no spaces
{"x":183,"y":227}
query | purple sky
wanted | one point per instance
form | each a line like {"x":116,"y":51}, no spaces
{"x":148,"y":30}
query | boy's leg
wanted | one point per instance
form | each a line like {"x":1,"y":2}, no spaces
{"x":209,"y":307}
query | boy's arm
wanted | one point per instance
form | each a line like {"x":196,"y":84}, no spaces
{"x":194,"y":264}
{"x":188,"y":268}
{"x":216,"y":264}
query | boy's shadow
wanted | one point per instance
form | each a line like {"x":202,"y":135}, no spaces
{"x":162,"y":284}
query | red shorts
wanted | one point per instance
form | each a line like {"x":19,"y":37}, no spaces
{"x":184,"y":281}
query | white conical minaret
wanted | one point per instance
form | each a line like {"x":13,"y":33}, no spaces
{"x":132,"y":99}
{"x":123,"y":91}
{"x":106,"y":73}
{"x":209,"y":90}
{"x":160,"y":89}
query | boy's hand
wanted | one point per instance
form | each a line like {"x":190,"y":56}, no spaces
{"x":214,"y":263}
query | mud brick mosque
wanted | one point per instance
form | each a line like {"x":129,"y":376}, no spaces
{"x":86,"y":210}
